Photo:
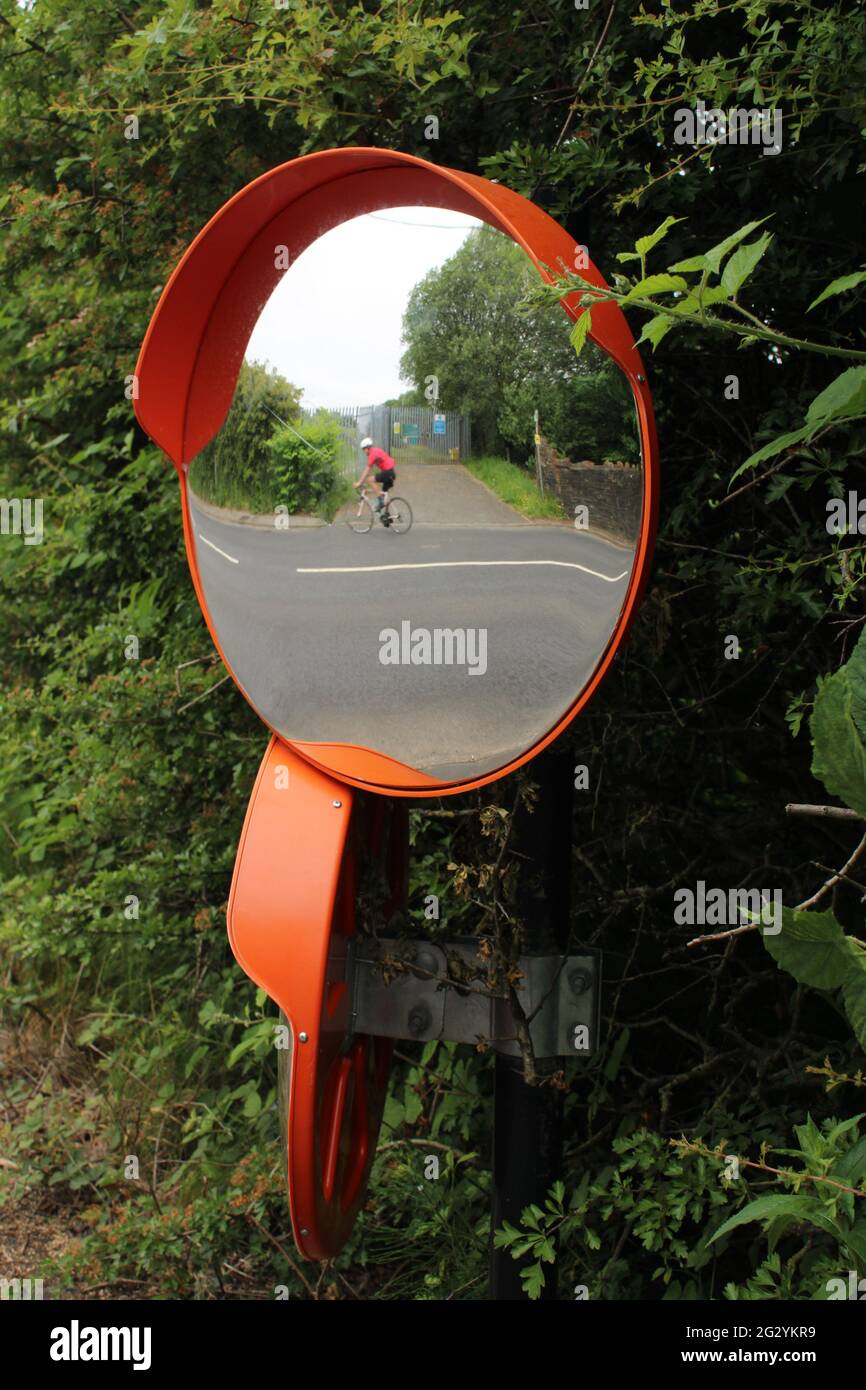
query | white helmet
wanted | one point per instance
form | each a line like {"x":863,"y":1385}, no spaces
{"x":366,"y":442}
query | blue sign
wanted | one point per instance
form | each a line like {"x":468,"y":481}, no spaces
{"x":438,"y":424}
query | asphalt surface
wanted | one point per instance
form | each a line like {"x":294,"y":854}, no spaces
{"x":303,"y":616}
{"x":445,"y":494}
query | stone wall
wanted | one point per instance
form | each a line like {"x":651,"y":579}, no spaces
{"x":611,"y":492}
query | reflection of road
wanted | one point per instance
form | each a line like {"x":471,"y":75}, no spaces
{"x":300,"y":615}
{"x":445,"y":494}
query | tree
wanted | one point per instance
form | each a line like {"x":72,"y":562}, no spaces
{"x":236,"y":467}
{"x":460,"y":326}
{"x":499,"y":355}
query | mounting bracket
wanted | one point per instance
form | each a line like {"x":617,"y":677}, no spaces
{"x":414,"y":989}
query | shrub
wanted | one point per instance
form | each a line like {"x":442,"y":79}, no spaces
{"x":306,"y":478}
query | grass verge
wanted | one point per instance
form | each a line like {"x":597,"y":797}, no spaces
{"x":516,"y":487}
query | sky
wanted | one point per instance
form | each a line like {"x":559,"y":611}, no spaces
{"x":333,"y":324}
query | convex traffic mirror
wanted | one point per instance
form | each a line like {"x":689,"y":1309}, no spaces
{"x":453,"y":628}
{"x":435,"y":626}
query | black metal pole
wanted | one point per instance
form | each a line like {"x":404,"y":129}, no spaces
{"x":527,"y":1127}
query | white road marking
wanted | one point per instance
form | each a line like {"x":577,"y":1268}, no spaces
{"x":217,"y":549}
{"x":460,"y":564}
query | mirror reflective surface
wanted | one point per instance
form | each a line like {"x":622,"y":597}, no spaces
{"x":449,"y":610}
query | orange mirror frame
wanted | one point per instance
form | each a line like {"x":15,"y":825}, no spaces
{"x":192,"y":353}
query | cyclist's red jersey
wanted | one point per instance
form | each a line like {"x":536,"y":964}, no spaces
{"x":377,"y":458}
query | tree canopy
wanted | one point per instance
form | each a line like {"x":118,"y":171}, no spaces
{"x":498,"y":355}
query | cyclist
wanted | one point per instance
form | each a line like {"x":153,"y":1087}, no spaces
{"x":386,"y":471}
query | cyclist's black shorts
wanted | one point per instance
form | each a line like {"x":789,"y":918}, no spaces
{"x":385,"y":477}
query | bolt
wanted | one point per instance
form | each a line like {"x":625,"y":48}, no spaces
{"x":641,"y":378}
{"x":425,"y":965}
{"x":338,"y":804}
{"x":580,"y":981}
{"x":419,"y":1020}
{"x":304,"y":1037}
{"x":304,"y":1231}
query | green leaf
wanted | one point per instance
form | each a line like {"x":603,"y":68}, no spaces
{"x":812,"y":947}
{"x":394,"y":1115}
{"x":839,"y":757}
{"x":699,"y":299}
{"x":250,"y":1040}
{"x":413,"y":1105}
{"x":531,"y":1216}
{"x":712,"y":259}
{"x":855,"y":1239}
{"x":854,"y":993}
{"x":505,"y":1236}
{"x":856,"y":668}
{"x":252,"y":1105}
{"x":775,"y":446}
{"x":691,"y":263}
{"x":579,"y":332}
{"x":743,"y":262}
{"x":646,"y":243}
{"x":655,"y":284}
{"x":775,"y":1206}
{"x":656,"y":328}
{"x":533,"y":1280}
{"x":843,"y":399}
{"x":779,"y":485}
{"x":843,"y":1127}
{"x":851,"y":1167}
{"x":839,"y":286}
{"x":810,"y":1138}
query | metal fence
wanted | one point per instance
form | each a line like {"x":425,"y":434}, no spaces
{"x":414,"y":432}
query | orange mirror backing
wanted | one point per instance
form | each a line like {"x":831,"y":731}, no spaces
{"x":292,"y":914}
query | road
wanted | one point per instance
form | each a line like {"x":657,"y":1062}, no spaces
{"x":303,"y":616}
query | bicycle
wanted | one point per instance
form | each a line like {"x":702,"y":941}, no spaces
{"x":395,"y":515}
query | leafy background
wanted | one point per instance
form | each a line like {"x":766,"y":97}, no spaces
{"x":130,"y":1035}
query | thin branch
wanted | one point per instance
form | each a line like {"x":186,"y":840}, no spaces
{"x":285,"y":1254}
{"x":686,"y":1146}
{"x":723,"y":935}
{"x":204,"y":694}
{"x":587,"y":70}
{"x":212,"y":656}
{"x":833,"y":880}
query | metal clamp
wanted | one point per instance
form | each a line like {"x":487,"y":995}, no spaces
{"x":414,"y":989}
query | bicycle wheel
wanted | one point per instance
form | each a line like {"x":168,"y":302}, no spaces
{"x":360,"y":516}
{"x":401,"y":515}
